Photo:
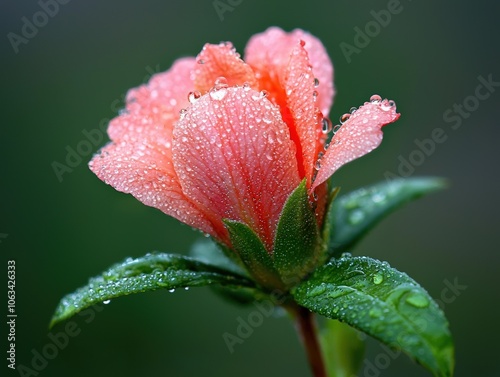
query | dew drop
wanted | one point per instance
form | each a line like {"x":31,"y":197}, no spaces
{"x":201,"y":61}
{"x":326,"y":125}
{"x":375,"y":98}
{"x":353,"y":109}
{"x":344,"y":118}
{"x":186,"y":288}
{"x":336,"y":128}
{"x":317,"y":164}
{"x":375,"y":312}
{"x":262,"y":94}
{"x":318,"y":290}
{"x":106,"y":302}
{"x":385,"y":105}
{"x":221,"y":82}
{"x":246,"y":86}
{"x":217,"y":93}
{"x":315,"y":95}
{"x":417,"y":300}
{"x":316,"y":82}
{"x":378,"y":278}
{"x":193,"y":96}
{"x":182,"y":113}
{"x":356,"y":217}
{"x":172,"y":290}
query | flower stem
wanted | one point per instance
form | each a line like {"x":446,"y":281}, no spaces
{"x":306,"y":327}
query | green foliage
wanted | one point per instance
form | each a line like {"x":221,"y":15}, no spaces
{"x":253,"y":254}
{"x":384,"y":303}
{"x":297,"y":248}
{"x":148,"y":273}
{"x":352,"y":215}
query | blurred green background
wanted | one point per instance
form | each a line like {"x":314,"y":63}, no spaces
{"x":72,"y":75}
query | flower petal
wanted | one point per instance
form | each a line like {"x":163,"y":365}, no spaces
{"x":145,"y":170}
{"x":152,"y":109}
{"x":221,"y":60}
{"x":359,"y":135}
{"x":234,"y":158}
{"x":306,"y":125}
{"x":268,"y":53}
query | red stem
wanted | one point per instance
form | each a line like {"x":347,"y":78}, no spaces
{"x":306,"y":327}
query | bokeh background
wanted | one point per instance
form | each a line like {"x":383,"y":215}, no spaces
{"x":72,"y":75}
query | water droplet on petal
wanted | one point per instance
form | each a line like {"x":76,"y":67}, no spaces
{"x":221,"y":82}
{"x":262,"y":94}
{"x":336,"y":128}
{"x":375,"y":98}
{"x":326,"y":125}
{"x":246,"y":86}
{"x":353,"y":109}
{"x":201,"y":61}
{"x":317,"y":164}
{"x":344,"y":118}
{"x":316,"y":82}
{"x":193,"y":96}
{"x":182,"y":113}
{"x":217,"y":93}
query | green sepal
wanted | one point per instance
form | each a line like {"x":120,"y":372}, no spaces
{"x":213,"y":253}
{"x":384,"y":303}
{"x":148,"y":273}
{"x":342,"y":348}
{"x":253,"y":254}
{"x":297,"y":247}
{"x":351,"y":216}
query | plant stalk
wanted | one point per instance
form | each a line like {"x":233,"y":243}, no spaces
{"x":306,"y":326}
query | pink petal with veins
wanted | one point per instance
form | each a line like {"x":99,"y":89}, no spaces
{"x":234,"y":158}
{"x":152,"y":109}
{"x":144,"y":170}
{"x":221,"y":60}
{"x":359,"y":135}
{"x":268,"y":53}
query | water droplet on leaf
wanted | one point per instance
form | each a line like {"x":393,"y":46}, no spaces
{"x":378,"y":278}
{"x":417,"y":300}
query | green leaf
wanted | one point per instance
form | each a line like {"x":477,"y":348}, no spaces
{"x":352,"y":215}
{"x":253,"y":254}
{"x":384,"y":303}
{"x":209,"y":252}
{"x":342,"y":349}
{"x":148,"y":273}
{"x":297,"y":249}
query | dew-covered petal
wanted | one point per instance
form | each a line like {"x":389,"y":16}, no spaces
{"x":145,"y":170}
{"x":359,"y":135}
{"x":224,"y":63}
{"x":152,"y":109}
{"x":300,"y":101}
{"x":268,"y":53}
{"x":234,"y":158}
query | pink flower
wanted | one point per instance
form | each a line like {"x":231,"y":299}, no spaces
{"x":217,"y":137}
